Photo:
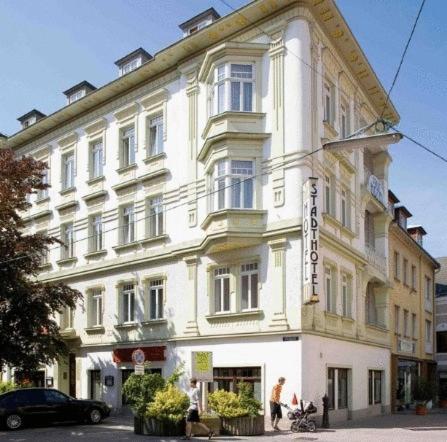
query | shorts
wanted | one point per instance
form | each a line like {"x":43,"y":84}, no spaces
{"x":193,"y":416}
{"x":275,"y":410}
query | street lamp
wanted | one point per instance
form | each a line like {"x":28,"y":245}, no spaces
{"x":371,"y":142}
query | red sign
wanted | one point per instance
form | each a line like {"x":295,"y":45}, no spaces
{"x":150,"y":353}
{"x":138,"y":356}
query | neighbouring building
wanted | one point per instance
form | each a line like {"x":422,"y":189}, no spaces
{"x":441,"y":320}
{"x":184,"y":191}
{"x":412,"y":275}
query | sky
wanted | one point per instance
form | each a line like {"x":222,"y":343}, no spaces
{"x":47,"y":46}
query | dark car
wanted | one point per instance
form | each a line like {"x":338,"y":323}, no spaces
{"x":42,"y":406}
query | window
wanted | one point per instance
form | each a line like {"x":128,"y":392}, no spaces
{"x":441,"y":341}
{"x":428,"y":331}
{"x":345,"y":208}
{"x":127,"y":155}
{"x":337,"y":386}
{"x":43,"y":193}
{"x":233,"y":184}
{"x":406,"y":324}
{"x":396,"y":319}
{"x":330,"y":290}
{"x":228,"y":378}
{"x":76,"y":96}
{"x":128,"y":303}
{"x":96,"y":236}
{"x":233,"y":88}
{"x":346,"y":294}
{"x":155,"y":220}
{"x":67,"y":234}
{"x":413,"y":277}
{"x":156,"y":299}
{"x":222,"y":290}
{"x":45,"y":255}
{"x":130,"y":66}
{"x":95,"y":385}
{"x":428,"y":289}
{"x":68,"y":161}
{"x":96,"y":159}
{"x":396,"y":265}
{"x":344,"y":120}
{"x":328,"y":97}
{"x":127,"y":225}
{"x":249,"y":286}
{"x":370,"y":235}
{"x":405,"y":271}
{"x":329,"y":206}
{"x":156,"y":135}
{"x":402,"y":220}
{"x":414,"y":326}
{"x":67,"y":318}
{"x":96,"y":307}
{"x":375,"y":387}
{"x":371,"y":309}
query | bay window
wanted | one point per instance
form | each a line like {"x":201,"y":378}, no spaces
{"x":222,"y":290}
{"x":233,"y":88}
{"x":249,"y":286}
{"x":233,"y":184}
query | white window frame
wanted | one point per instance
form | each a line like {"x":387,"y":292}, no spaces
{"x":372,"y":400}
{"x":43,"y":193}
{"x":67,"y":248}
{"x":328,"y":103}
{"x":345,"y":208}
{"x":329,"y":195}
{"x":96,"y":233}
{"x":130,"y":66}
{"x":156,"y":289}
{"x":155,"y":132}
{"x":329,"y":288}
{"x":248,"y":271}
{"x":127,"y":146}
{"x":221,"y":274}
{"x":128,"y":315}
{"x":97,"y":305}
{"x":96,"y":159}
{"x":346,"y":295}
{"x":397,"y":265}
{"x":75,"y":96}
{"x":345,"y":126}
{"x":68,"y":170}
{"x":128,"y":224}
{"x":155,"y":213}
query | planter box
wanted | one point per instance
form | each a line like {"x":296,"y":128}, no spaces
{"x":243,"y":426}
{"x":213,"y":423}
{"x":421,"y":410}
{"x":153,"y":427}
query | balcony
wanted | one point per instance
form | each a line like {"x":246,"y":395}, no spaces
{"x":375,"y":187}
{"x":377,"y":260}
{"x":233,"y":228}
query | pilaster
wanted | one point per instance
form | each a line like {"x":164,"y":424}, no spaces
{"x":192,"y":328}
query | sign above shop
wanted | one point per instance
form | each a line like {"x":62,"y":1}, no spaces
{"x":156,"y":353}
{"x":202,"y":365}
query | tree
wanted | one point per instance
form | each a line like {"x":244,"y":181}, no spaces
{"x":29,"y":334}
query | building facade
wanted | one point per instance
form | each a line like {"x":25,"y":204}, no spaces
{"x":441,"y":321}
{"x":412,"y":315}
{"x":183,"y":193}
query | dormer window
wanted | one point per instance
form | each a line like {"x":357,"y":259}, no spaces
{"x":76,"y":96}
{"x":30,"y":118}
{"x":78,"y":91}
{"x":130,"y":66}
{"x":199,"y":22}
{"x":402,"y":220}
{"x":132,"y":61}
{"x":233,"y":88}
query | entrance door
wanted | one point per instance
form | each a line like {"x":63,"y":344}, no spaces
{"x":72,"y":374}
{"x":95,"y":385}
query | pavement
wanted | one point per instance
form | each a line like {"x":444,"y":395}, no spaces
{"x":390,"y":428}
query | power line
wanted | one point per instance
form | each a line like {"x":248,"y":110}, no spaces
{"x":282,"y":164}
{"x":402,"y":57}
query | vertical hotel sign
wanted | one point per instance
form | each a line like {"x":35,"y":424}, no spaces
{"x":310,"y":241}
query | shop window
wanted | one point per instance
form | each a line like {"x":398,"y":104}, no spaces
{"x":441,"y":341}
{"x":337,"y":388}
{"x":227,"y":378}
{"x":374,"y":387}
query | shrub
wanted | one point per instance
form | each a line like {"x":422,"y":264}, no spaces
{"x":226,"y":404}
{"x":7,"y":386}
{"x":140,"y":390}
{"x":170,"y":404}
{"x":247,"y":399}
{"x":424,"y":391}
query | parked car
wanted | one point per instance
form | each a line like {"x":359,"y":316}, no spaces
{"x":29,"y":406}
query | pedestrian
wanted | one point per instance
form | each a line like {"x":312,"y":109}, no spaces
{"x":275,"y":404}
{"x":194,"y":410}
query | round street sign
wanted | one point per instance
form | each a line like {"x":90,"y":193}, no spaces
{"x":138,"y":356}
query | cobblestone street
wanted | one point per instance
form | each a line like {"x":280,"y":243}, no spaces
{"x":406,"y":428}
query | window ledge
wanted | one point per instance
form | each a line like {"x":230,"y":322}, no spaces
{"x":96,"y":253}
{"x":43,"y":200}
{"x":125,"y":184}
{"x":95,"y":180}
{"x":67,"y":191}
{"x":331,"y":314}
{"x":348,"y":231}
{"x":37,"y":215}
{"x":229,"y":212}
{"x":329,"y":130}
{"x":66,"y":261}
{"x":68,"y":332}
{"x":98,"y":194}
{"x":234,"y":315}
{"x":152,"y":175}
{"x":45,"y":266}
{"x":378,"y":327}
{"x":130,"y":245}
{"x":154,"y":239}
{"x":126,"y":325}
{"x":126,"y":168}
{"x":153,"y":158}
{"x":347,"y":319}
{"x":99,"y":329}
{"x":150,"y":322}
{"x":67,"y":205}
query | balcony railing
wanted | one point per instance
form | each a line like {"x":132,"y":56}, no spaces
{"x":375,"y":259}
{"x":375,"y":186}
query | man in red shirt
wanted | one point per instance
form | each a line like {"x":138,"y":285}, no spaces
{"x":275,"y":403}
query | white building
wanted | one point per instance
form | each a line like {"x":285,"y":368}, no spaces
{"x":178,"y":191}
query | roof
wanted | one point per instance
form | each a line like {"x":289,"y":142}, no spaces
{"x":392,"y":196}
{"x":76,"y":87}
{"x":404,"y":210}
{"x":326,"y":14}
{"x":211,"y":11}
{"x":30,"y":114}
{"x":411,"y":229}
{"x":140,"y":51}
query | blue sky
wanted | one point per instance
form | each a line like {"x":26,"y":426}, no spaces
{"x":47,"y":46}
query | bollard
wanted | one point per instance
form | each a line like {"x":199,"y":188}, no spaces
{"x":325,"y":423}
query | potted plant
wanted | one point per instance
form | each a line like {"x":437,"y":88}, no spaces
{"x":423,"y":393}
{"x":443,"y":395}
{"x":239,"y":413}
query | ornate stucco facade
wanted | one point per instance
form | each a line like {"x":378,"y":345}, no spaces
{"x":178,"y":191}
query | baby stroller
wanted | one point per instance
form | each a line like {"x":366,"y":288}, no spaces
{"x":300,"y":417}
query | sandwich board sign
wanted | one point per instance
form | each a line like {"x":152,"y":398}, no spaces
{"x":202,"y":365}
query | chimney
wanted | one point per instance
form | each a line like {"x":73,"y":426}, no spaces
{"x":199,"y":22}
{"x":417,"y":233}
{"x":78,"y":91}
{"x":132,"y":61}
{"x":30,"y":118}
